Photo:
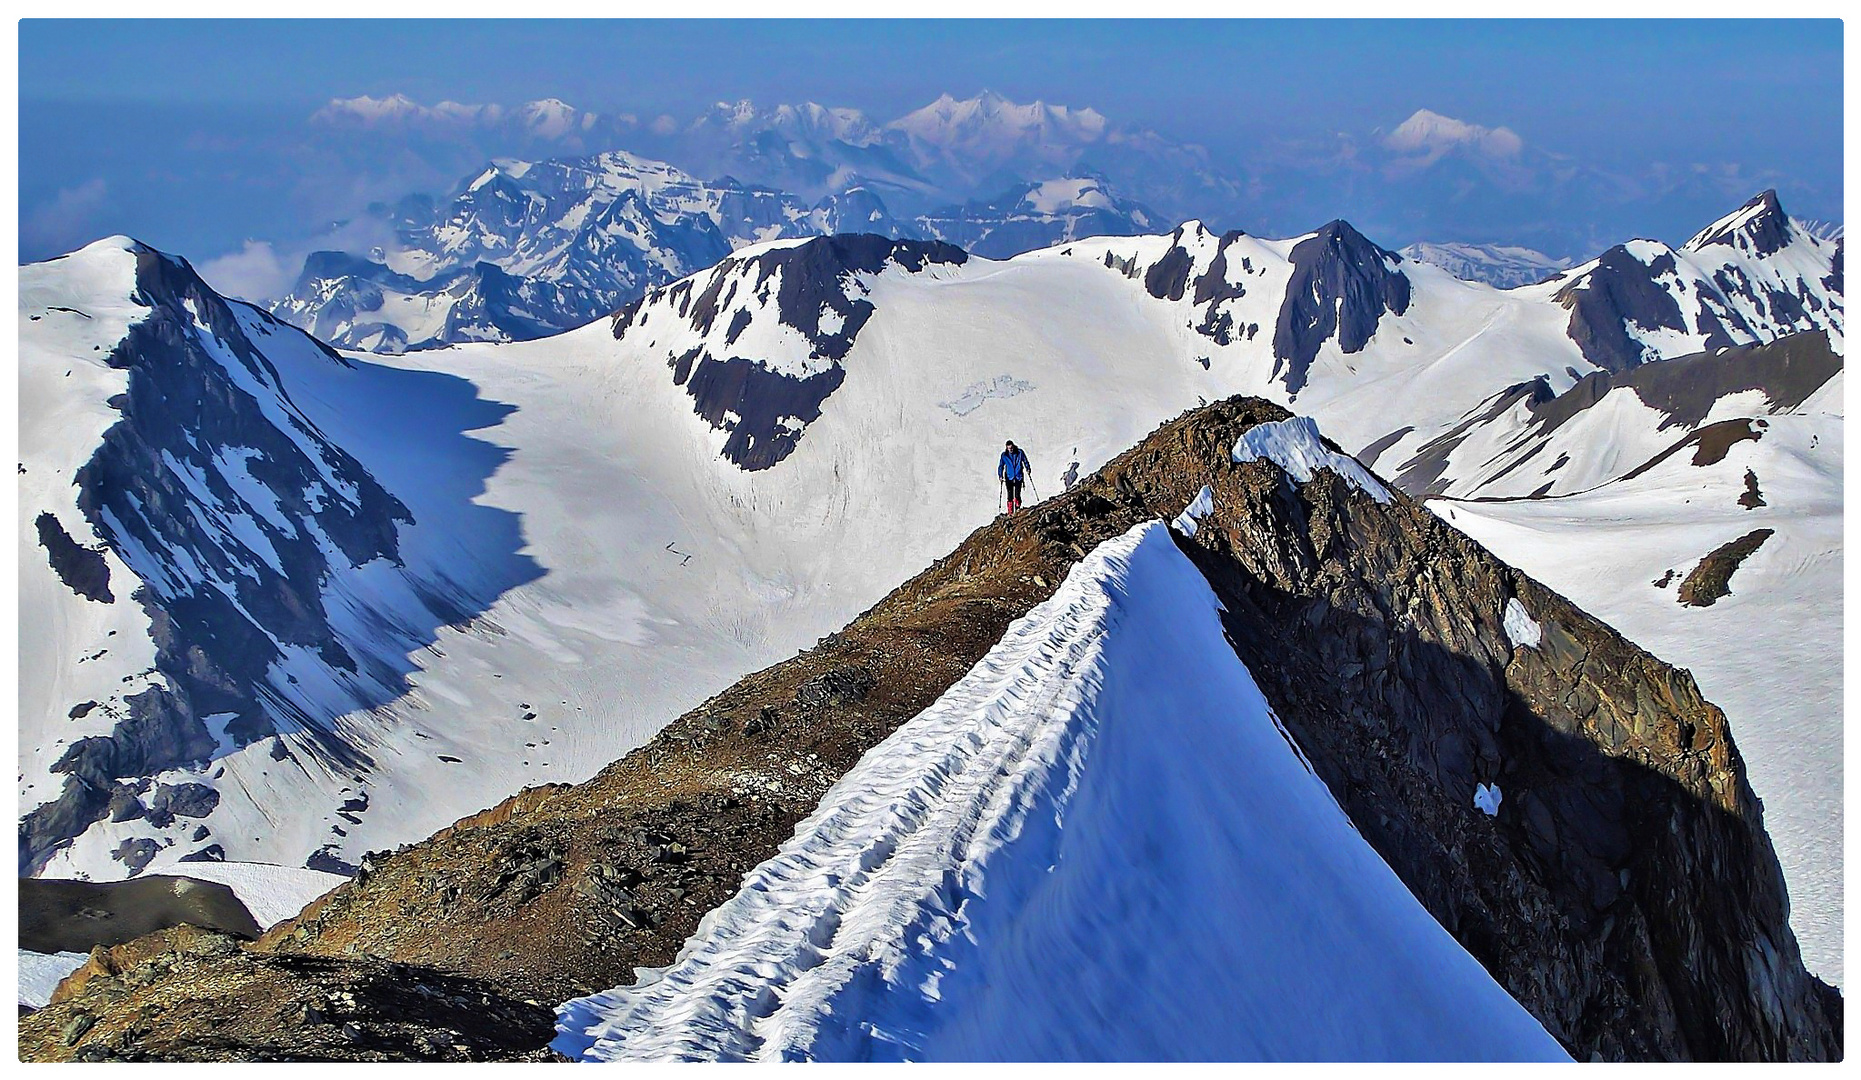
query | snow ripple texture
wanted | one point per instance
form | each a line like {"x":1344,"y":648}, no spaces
{"x":1294,"y":446}
{"x":1098,"y":844}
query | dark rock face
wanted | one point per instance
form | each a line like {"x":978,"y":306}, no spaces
{"x":1586,"y":897}
{"x":1169,"y":276}
{"x":1341,"y":285}
{"x":808,"y":287}
{"x":1711,"y":580}
{"x":762,"y":400}
{"x":1751,"y":498}
{"x":77,"y":916}
{"x":184,"y":800}
{"x":216,"y":607}
{"x":83,"y":570}
{"x":1173,"y":276}
{"x":136,"y":853}
{"x":1620,"y":293}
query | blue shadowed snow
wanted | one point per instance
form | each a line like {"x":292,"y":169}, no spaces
{"x":1098,"y":845}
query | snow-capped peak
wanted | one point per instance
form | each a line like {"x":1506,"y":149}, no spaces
{"x":1431,"y":134}
{"x":1759,"y":227}
{"x":988,"y":130}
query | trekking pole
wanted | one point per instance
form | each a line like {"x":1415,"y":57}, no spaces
{"x":1000,"y":487}
{"x":1031,"y":484}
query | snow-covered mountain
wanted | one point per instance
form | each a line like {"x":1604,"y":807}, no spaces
{"x":813,"y":150}
{"x":778,"y":440}
{"x":987,"y":134}
{"x":526,"y":249}
{"x":1753,"y":275}
{"x":529,"y":249}
{"x":1504,"y":266}
{"x":216,"y":578}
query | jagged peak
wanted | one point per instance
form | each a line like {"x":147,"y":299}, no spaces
{"x":1342,"y":234}
{"x":1760,"y":225}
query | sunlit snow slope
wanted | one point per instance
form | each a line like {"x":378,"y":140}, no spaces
{"x":968,"y":890}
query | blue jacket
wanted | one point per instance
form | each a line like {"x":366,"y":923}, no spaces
{"x":1014,"y":465}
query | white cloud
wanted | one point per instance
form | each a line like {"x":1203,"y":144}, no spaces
{"x":254,"y":273}
{"x":1429,"y":135}
{"x":66,"y":223}
{"x":261,"y":272}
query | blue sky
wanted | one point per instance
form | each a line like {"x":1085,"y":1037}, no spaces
{"x":192,"y":134}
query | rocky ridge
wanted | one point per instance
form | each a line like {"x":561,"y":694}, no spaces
{"x":1624,"y":890}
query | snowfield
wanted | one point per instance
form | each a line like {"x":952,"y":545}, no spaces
{"x":967,"y":891}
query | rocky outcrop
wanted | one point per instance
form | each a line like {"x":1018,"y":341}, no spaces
{"x":83,"y":570}
{"x":1341,"y":286}
{"x":1711,"y":580}
{"x":78,"y":916}
{"x":1624,"y":890}
{"x":206,"y":999}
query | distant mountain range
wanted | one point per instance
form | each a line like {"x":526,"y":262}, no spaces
{"x":529,"y":246}
{"x":527,"y":249}
{"x":1503,"y":265}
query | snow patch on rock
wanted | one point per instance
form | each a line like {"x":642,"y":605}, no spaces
{"x":1202,"y":505}
{"x":1521,"y":630}
{"x":1295,"y":447}
{"x":1486,"y":798}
